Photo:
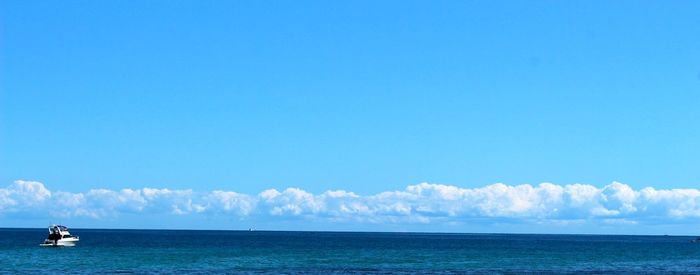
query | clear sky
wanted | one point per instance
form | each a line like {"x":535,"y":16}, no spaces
{"x":364,"y":96}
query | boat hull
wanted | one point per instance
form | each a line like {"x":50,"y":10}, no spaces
{"x":61,"y":242}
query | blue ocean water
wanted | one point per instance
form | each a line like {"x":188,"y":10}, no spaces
{"x":192,"y":251}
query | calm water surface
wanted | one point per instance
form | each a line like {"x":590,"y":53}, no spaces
{"x":175,"y":251}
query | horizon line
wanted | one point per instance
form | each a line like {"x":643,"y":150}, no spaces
{"x":364,"y":232}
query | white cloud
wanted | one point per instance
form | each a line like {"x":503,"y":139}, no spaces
{"x":23,"y":193}
{"x":224,"y":201}
{"x":546,"y":203}
{"x":292,"y":201}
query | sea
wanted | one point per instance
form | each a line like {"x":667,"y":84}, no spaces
{"x":278,"y":252}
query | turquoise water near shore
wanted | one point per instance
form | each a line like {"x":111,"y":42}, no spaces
{"x":200,"y":251}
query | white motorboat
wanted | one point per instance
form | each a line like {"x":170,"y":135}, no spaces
{"x":59,"y":236}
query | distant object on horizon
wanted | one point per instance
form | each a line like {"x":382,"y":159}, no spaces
{"x":697,"y":240}
{"x":59,"y":236}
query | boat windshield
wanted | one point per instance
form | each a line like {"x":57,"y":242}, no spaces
{"x":57,"y":229}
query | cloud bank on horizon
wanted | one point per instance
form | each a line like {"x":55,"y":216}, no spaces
{"x":421,"y":203}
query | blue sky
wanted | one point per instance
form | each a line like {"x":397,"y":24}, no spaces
{"x":366,"y":97}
